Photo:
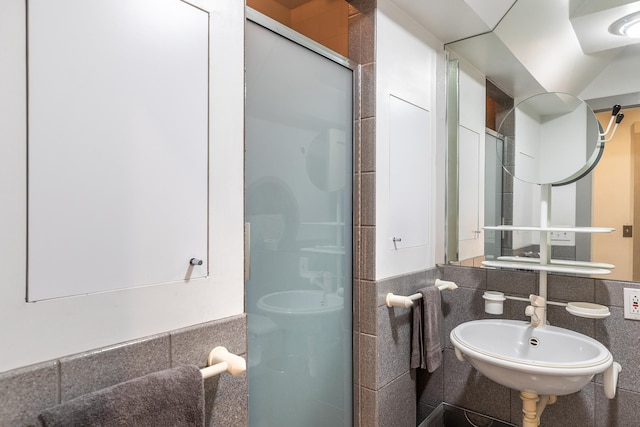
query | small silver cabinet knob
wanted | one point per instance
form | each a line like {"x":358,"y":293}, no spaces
{"x":195,"y":261}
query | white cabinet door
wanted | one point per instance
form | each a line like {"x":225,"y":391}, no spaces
{"x":117,"y":144}
{"x":409,"y":193}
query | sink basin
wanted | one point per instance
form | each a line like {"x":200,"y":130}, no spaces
{"x":301,"y":309}
{"x":546,"y":360}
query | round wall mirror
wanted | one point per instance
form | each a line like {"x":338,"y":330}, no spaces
{"x":550,"y":138}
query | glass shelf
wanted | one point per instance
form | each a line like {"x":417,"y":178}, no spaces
{"x":559,"y":262}
{"x":552,"y":268}
{"x":551,"y":229}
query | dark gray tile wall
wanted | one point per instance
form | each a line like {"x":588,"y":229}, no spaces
{"x":86,"y":372}
{"x":25,"y":392}
{"x":466,"y":388}
{"x":386,"y":382}
{"x":396,"y":402}
{"x":461,"y":385}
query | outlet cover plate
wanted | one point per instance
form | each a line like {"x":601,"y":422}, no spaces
{"x":632,"y":303}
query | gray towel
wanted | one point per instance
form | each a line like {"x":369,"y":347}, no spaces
{"x":173,"y":397}
{"x":426,"y":349}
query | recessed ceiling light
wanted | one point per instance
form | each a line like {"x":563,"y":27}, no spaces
{"x":627,"y":26}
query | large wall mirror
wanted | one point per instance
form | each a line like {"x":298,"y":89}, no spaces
{"x":561,"y":47}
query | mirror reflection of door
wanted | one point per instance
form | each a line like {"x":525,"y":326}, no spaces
{"x":493,"y":195}
{"x":616,"y":197}
{"x":471,"y":209}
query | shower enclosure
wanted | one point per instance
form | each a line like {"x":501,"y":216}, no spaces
{"x":298,"y":173}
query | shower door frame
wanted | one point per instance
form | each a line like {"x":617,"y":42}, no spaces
{"x":276,"y":27}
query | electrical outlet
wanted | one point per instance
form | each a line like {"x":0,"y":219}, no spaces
{"x":632,"y":303}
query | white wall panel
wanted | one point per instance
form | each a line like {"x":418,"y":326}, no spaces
{"x":117,"y":144}
{"x":410,"y":167}
{"x":406,"y":68}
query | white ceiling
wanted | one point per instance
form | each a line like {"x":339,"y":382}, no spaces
{"x":453,"y":20}
{"x":531,"y":46}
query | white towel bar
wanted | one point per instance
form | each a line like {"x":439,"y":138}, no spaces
{"x":402,"y":301}
{"x":220,"y":360}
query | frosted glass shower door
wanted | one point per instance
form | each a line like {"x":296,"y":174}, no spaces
{"x":299,"y":119}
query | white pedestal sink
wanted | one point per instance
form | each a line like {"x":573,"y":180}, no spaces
{"x":546,"y":360}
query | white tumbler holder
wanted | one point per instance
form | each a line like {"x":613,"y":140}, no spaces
{"x":493,"y":302}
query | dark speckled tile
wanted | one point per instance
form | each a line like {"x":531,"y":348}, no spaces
{"x":357,"y":200}
{"x":368,"y":253}
{"x":226,"y":402}
{"x":393,"y":344}
{"x":430,"y":386}
{"x":368,"y":407}
{"x":466,"y":277}
{"x":571,"y":288}
{"x":26,"y":392}
{"x":368,"y":101}
{"x":356,"y":358}
{"x":459,"y":306}
{"x":368,"y":34}
{"x":521,"y":283}
{"x":368,"y":305}
{"x":622,"y":411}
{"x":611,"y":292}
{"x":192,"y":345}
{"x":368,"y":361}
{"x":397,"y":403}
{"x":367,"y":199}
{"x":467,"y":388}
{"x":622,"y":338}
{"x":86,"y":372}
{"x":355,"y":31}
{"x":357,"y":300}
{"x":368,"y":133}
